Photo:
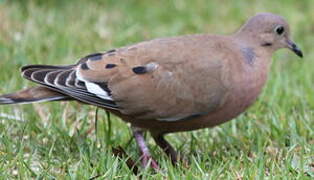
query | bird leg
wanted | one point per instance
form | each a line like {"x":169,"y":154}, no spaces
{"x":166,"y":147}
{"x":145,"y":154}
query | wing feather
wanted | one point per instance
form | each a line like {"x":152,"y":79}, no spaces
{"x":64,"y":80}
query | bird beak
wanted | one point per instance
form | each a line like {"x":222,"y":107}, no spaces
{"x":293,"y":47}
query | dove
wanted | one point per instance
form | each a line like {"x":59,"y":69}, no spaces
{"x":168,"y":85}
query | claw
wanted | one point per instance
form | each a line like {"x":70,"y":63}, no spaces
{"x":149,"y":161}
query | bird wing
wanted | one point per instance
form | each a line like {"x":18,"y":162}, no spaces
{"x":63,"y":79}
{"x":165,"y":79}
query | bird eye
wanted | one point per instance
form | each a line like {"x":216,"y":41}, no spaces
{"x":279,"y":30}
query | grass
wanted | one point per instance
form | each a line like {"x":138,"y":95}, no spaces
{"x":274,"y":139}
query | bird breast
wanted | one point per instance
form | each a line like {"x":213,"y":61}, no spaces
{"x":248,"y":82}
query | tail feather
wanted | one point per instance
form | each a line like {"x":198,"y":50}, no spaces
{"x":34,"y":94}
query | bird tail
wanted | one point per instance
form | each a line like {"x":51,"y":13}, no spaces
{"x":31,"y":95}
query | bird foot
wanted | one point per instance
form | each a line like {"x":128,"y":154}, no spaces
{"x":147,"y":160}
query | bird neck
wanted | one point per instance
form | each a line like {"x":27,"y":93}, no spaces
{"x":253,"y":40}
{"x":254,"y":66}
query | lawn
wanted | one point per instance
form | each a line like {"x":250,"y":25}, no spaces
{"x":274,"y":139}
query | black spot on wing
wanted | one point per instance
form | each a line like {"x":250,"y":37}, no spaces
{"x":109,"y":66}
{"x":84,"y":66}
{"x":95,"y":57}
{"x":111,"y":51}
{"x":139,"y":70}
{"x":266,"y":44}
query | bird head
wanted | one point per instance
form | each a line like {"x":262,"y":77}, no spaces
{"x":269,"y":31}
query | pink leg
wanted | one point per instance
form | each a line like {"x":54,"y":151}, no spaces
{"x":145,"y":155}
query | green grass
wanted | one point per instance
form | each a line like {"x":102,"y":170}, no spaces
{"x":273,"y":140}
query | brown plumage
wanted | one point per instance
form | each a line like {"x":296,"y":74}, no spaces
{"x":169,"y":84}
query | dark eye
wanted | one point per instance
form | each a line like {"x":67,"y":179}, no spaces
{"x":279,"y":30}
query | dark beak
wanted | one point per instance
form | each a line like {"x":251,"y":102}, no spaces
{"x":294,"y":48}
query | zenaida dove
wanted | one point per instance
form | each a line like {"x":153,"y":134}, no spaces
{"x":171,"y":84}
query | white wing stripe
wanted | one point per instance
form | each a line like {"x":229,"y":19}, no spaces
{"x":97,"y":90}
{"x":94,"y":88}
